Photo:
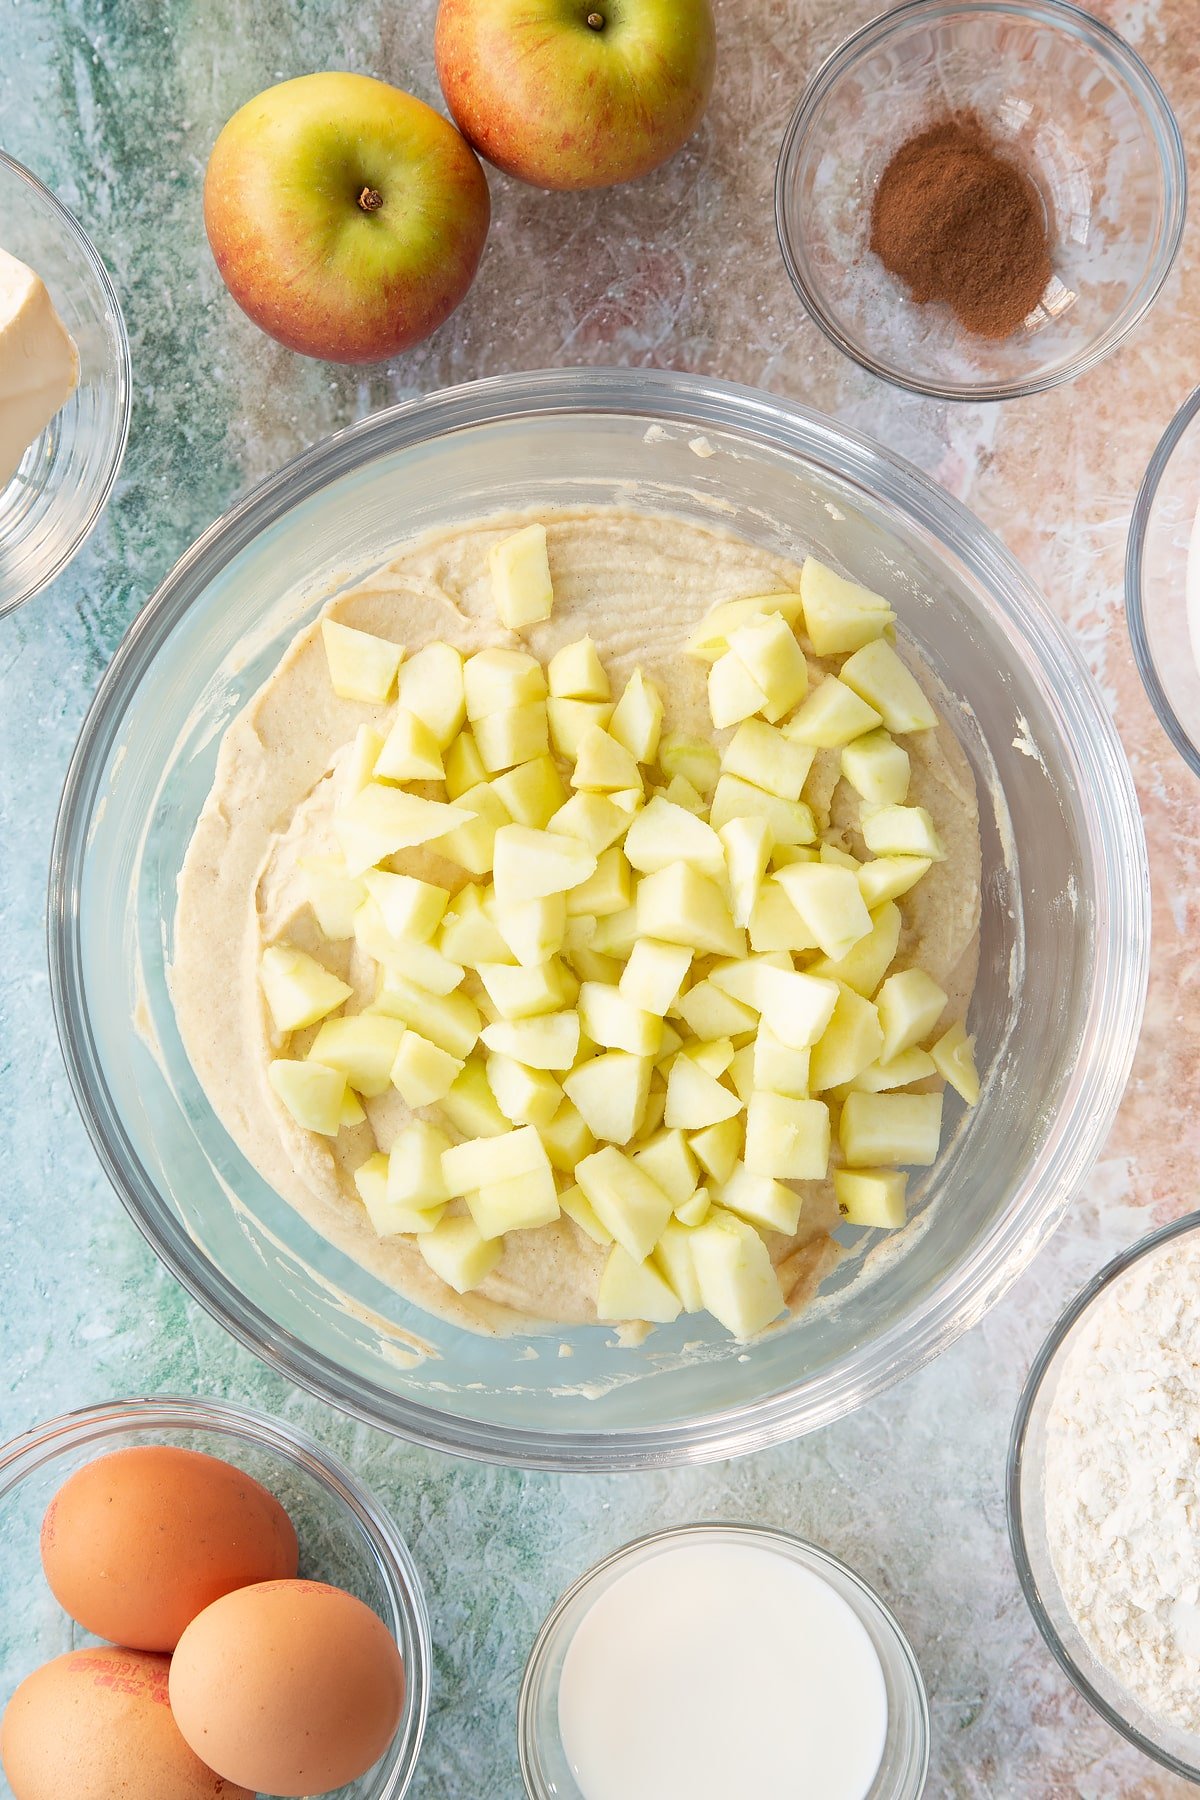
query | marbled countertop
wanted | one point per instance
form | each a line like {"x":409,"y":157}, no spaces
{"x":115,"y":103}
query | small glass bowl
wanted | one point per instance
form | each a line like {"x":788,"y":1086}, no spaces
{"x":1176,"y":1749}
{"x":345,"y":1538}
{"x":53,"y":501}
{"x":1162,"y":581}
{"x":544,"y":1765}
{"x":1071,"y":103}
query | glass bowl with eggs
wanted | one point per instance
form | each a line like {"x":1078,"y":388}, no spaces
{"x":210,"y":1598}
{"x":628,"y":1116}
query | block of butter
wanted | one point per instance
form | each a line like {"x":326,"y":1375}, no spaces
{"x":39,"y":364}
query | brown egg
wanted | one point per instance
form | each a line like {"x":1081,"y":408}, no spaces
{"x":292,"y":1687}
{"x":97,"y":1725}
{"x":135,"y":1544}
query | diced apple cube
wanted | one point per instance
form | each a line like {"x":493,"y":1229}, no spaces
{"x":576,"y":673}
{"x":469,"y":933}
{"x":381,"y":820}
{"x":778,"y":1068}
{"x":410,"y":909}
{"x":737,"y":1282}
{"x":593,"y":819}
{"x":878,"y":676}
{"x":656,"y":1105}
{"x":298,"y":990}
{"x":531,"y":864}
{"x":523,"y":993}
{"x":840,"y":859}
{"x":576,"y":1205}
{"x":679,"y":905}
{"x":710,"y":1012}
{"x":851,"y":1041}
{"x":791,"y":821}
{"x":449,"y":1020}
{"x":457,"y":1253}
{"x":549,"y":1041}
{"x":608,"y":890}
{"x":333,"y":895}
{"x":615,"y":934}
{"x":872,"y":1197}
{"x":673,"y":1258}
{"x":415,"y":1180}
{"x":713,"y":1055}
{"x":532,"y":792}
{"x":787,"y":1139}
{"x":630,"y":800}
{"x":535,"y":929}
{"x":635,"y":1290}
{"x":669,"y":1162}
{"x":954,"y":1057}
{"x":768,"y":650}
{"x":829,"y":901}
{"x":626,"y":1200}
{"x":521,"y":586}
{"x":353,"y":1112}
{"x":615,"y":1024}
{"x":526,"y":1096}
{"x":733,"y":693}
{"x":470,"y":1166}
{"x":864,"y":967}
{"x":662,"y":834}
{"x":517,"y":735}
{"x":571,"y":721}
{"x":775,"y":924}
{"x":695,"y":1098}
{"x":472,"y":844}
{"x":797,"y":1006}
{"x":464,"y":765}
{"x":880,"y":1129}
{"x":761,"y":1200}
{"x":362,"y":1047}
{"x":832,"y":715}
{"x":718,"y":1147}
{"x":637,"y":718}
{"x":747,"y":843}
{"x":423,"y":1073}
{"x":910,"y":1005}
{"x":373,"y":1181}
{"x":499,"y":680}
{"x":840,"y":615}
{"x":611,"y":1092}
{"x":902,"y":831}
{"x":877,"y":768}
{"x":431,"y":686}
{"x":654,"y":974}
{"x":911,"y":1065}
{"x":312,"y":1093}
{"x":521,"y":1203}
{"x":471,"y":1105}
{"x":890,"y":876}
{"x":694,"y":759}
{"x":681,"y":793}
{"x":410,"y":751}
{"x":424,"y":966}
{"x":567,"y":1138}
{"x":760,"y":754}
{"x":361,"y":666}
{"x":371,"y":934}
{"x":741,"y":1073}
{"x":359,"y":764}
{"x":602,"y":765}
{"x":695,"y":1209}
{"x":711,"y":636}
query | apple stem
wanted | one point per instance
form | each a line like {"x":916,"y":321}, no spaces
{"x":370,"y":200}
{"x":596,"y":21}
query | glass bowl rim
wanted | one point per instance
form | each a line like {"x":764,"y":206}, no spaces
{"x":31,"y":1450}
{"x":1154,"y":104}
{"x":1118,"y":992}
{"x":1060,"y":1331}
{"x":124,"y":373}
{"x":791,"y":1541}
{"x":1135,"y":561}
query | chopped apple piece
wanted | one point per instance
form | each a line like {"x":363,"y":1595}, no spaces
{"x":613,"y":937}
{"x":575,"y":1203}
{"x":747,"y":843}
{"x":673,"y":1257}
{"x":890,"y":876}
{"x":571,"y":721}
{"x":626,"y":1200}
{"x":359,"y":765}
{"x":608,"y":890}
{"x":654,"y":974}
{"x":630,"y":800}
{"x":464,"y":765}
{"x":471,"y":1105}
{"x":333,"y":895}
{"x":713,"y":1055}
{"x":521,"y":586}
{"x":611,"y":1021}
{"x":526,"y":1096}
{"x":531,"y":864}
{"x":761,"y":1200}
{"x":410,"y":751}
{"x":523,"y":993}
{"x":499,"y":680}
{"x":669,"y":1162}
{"x":829,"y":901}
{"x":741,"y":1072}
{"x":532,"y":792}
{"x":718,"y":1147}
{"x":850,"y":1043}
{"x":879,"y":677}
{"x":470,"y":1166}
{"x":389,"y":1217}
{"x":693,"y":759}
{"x":371,"y":934}
{"x":593,"y":819}
{"x":791,"y":821}
{"x":518,"y":735}
{"x":787,"y":1139}
{"x":611,"y":1092}
{"x":954,"y":1058}
{"x":679,"y":905}
{"x":760,"y":754}
{"x":361,"y":666}
{"x":635,"y":1290}
{"x":681,"y":793}
{"x":424,"y":966}
{"x":832,"y":715}
{"x":709,"y":1012}
{"x":521,"y":1203}
{"x":778,"y":1068}
{"x":567,"y":1138}
{"x":576,"y":673}
{"x":353,"y":1112}
{"x":381,"y":820}
{"x":797,"y":1006}
{"x":733,"y":693}
{"x":297,"y":989}
{"x":662,"y":834}
{"x":312,"y":1093}
{"x":877,"y":768}
{"x":741,"y":978}
{"x":637,"y":718}
{"x":775,"y":924}
{"x":840,"y":615}
{"x":534,"y":931}
{"x":711,"y":636}
{"x":362,"y":1048}
{"x":423,"y":1073}
{"x":602,"y":765}
{"x":910,"y":1005}
{"x":871,"y":1197}
{"x":415,"y":1180}
{"x":902,"y":831}
{"x":768,"y":650}
{"x":864,"y":967}
{"x":431,"y":686}
{"x":737,"y":1282}
{"x":409,"y":908}
{"x":879,"y":1129}
{"x":695,"y":1209}
{"x":911,"y":1065}
{"x":549,"y":1041}
{"x":457,"y":1253}
{"x":839,"y":858}
{"x":472,"y":843}
{"x":448,"y":1020}
{"x":695,"y":1098}
{"x":469,"y":933}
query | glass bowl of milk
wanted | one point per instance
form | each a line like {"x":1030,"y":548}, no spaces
{"x":54,"y":487}
{"x":718,"y":1660}
{"x":1162,"y":581}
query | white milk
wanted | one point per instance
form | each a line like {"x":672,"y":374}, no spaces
{"x":722,"y":1672}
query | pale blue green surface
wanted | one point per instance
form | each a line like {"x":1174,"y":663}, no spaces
{"x":115,"y":103}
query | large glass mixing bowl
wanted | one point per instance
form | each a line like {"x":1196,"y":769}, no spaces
{"x":1064,"y":932}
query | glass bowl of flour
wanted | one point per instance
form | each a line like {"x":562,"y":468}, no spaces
{"x":1104,"y":1494}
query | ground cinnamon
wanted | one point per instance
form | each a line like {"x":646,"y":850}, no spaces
{"x":957,"y":222}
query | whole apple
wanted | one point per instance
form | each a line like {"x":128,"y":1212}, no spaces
{"x":346,"y":217}
{"x":576,"y":93}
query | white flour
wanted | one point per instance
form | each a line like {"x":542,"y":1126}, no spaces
{"x":1123,"y":1482}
